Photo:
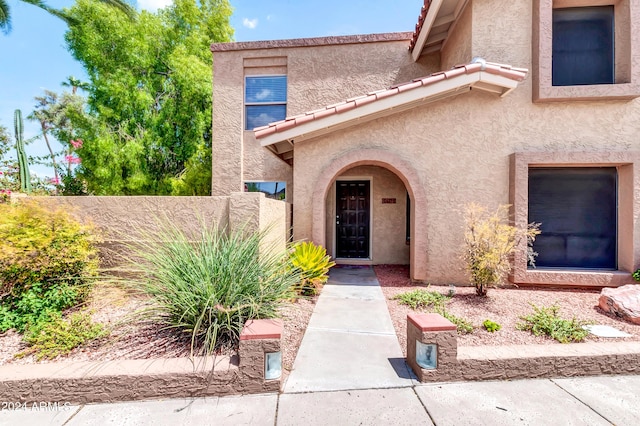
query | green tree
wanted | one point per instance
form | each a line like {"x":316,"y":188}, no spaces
{"x":5,"y":11}
{"x":150,"y":95}
{"x":5,"y":141}
{"x":75,"y":84}
{"x":56,"y":115}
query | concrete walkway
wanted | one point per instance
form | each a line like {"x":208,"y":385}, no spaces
{"x":350,"y":342}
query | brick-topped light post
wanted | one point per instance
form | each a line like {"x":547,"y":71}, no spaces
{"x":431,"y":345}
{"x":260,"y":352}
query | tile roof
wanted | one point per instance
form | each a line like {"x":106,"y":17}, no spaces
{"x":507,"y":71}
{"x":416,"y":33}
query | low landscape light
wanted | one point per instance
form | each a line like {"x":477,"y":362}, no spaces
{"x":272,"y":365}
{"x":427,"y":355}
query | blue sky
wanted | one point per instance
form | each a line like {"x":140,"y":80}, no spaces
{"x":34,"y":55}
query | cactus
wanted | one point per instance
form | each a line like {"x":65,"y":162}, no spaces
{"x":23,"y":163}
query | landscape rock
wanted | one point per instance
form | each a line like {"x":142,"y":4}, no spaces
{"x":623,"y":302}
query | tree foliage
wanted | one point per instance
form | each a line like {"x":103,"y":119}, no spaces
{"x":56,"y":115}
{"x":5,"y":11}
{"x":5,"y":141}
{"x":149,"y":96}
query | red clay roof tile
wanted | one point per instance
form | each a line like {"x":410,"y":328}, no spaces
{"x":365,"y":100}
{"x":517,"y":74}
{"x":303,"y":118}
{"x":423,"y":15}
{"x":324,"y":113}
{"x":345,"y":107}
{"x":284,"y":125}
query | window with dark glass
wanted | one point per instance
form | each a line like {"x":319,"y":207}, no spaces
{"x":577,"y":212}
{"x":583,"y":46}
{"x":274,"y":190}
{"x":265,"y":99}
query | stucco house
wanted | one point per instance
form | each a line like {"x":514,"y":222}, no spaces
{"x":380,"y":140}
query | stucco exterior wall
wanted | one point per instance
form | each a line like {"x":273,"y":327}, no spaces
{"x":123,"y":220}
{"x":131,"y":217}
{"x":501,"y":31}
{"x":459,"y":149}
{"x":457,"y":49}
{"x":388,"y":230}
{"x":318,"y":74}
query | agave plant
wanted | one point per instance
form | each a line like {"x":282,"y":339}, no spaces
{"x":313,"y":263}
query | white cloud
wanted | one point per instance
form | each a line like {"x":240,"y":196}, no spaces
{"x":270,"y":17}
{"x":263,"y":94}
{"x":153,"y":5}
{"x":260,"y":120}
{"x":250,"y":23}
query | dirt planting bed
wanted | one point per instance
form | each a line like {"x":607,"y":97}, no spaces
{"x":504,"y":306}
{"x":113,"y":306}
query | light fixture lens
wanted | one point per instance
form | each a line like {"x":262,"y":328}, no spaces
{"x":272,"y":365}
{"x":427,"y":355}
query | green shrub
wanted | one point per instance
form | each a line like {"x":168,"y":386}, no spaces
{"x":545,"y":320}
{"x":37,"y":306}
{"x":491,"y":326}
{"x":60,"y":335}
{"x":210,"y":287}
{"x":421,"y":299}
{"x":47,"y":260}
{"x":313,"y":264}
{"x":463,"y":326}
{"x":489,"y":244}
{"x":636,"y":275}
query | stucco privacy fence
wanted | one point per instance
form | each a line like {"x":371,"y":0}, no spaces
{"x":434,"y":356}
{"x":122,"y":220}
{"x":255,"y":369}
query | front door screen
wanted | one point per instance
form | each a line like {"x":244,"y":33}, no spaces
{"x":352,"y":219}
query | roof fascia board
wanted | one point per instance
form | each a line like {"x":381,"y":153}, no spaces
{"x":503,"y":85}
{"x":392,"y":102}
{"x":432,"y":13}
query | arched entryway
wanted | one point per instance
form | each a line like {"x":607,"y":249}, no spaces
{"x":356,"y":168}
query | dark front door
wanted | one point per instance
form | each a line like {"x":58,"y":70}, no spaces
{"x":352,"y":219}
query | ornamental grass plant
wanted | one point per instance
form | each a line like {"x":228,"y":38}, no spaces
{"x":208,"y":285}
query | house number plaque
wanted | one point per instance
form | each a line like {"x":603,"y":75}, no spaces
{"x":388,"y":201}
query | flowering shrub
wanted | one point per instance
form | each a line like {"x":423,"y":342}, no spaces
{"x":46,"y":262}
{"x":5,"y":195}
{"x":68,"y":182}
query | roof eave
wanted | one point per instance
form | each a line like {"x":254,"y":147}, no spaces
{"x":443,"y":19}
{"x":282,"y":142}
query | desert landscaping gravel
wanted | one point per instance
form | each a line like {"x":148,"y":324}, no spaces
{"x":129,"y":339}
{"x":136,"y":340}
{"x":502,"y":305}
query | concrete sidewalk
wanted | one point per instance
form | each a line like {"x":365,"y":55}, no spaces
{"x":350,"y":342}
{"x":602,"y":400}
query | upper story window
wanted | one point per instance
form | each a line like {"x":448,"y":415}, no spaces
{"x":265,"y":100}
{"x":582,"y":50}
{"x":583,"y":46}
